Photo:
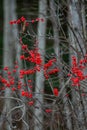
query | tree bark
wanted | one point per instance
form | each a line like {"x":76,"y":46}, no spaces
{"x":39,"y":75}
{"x":76,"y":37}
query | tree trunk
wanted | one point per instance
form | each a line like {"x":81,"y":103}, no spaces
{"x":76,"y":37}
{"x":8,"y":55}
{"x":39,"y":75}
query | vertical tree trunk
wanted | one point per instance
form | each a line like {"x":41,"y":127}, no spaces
{"x":8,"y":54}
{"x":39,"y":75}
{"x":76,"y":37}
{"x":76,"y":22}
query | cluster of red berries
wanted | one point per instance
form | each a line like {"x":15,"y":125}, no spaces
{"x":23,"y":19}
{"x":77,"y":70}
{"x":9,"y":81}
{"x":26,"y":94}
{"x":33,"y":56}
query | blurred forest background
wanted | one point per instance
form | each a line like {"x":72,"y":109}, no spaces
{"x":56,"y":100}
